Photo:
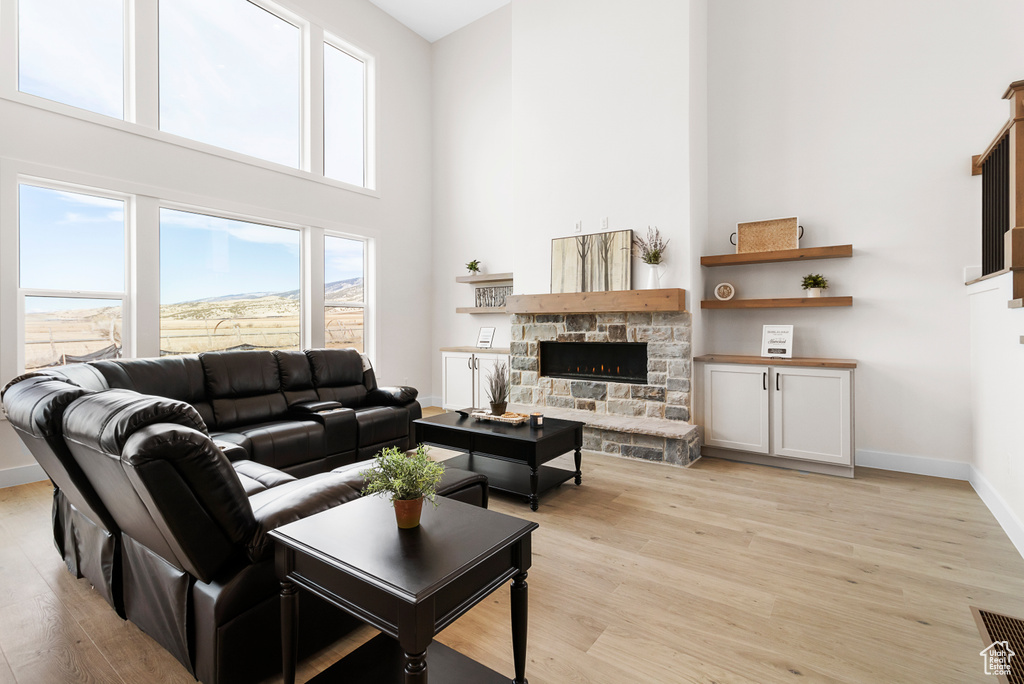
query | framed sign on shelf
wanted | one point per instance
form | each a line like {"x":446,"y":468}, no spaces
{"x":485,"y":338}
{"x":777,"y":341}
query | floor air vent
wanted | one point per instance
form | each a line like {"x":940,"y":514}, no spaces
{"x":996,"y":628}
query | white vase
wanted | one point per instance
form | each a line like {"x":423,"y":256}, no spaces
{"x":653,"y":277}
{"x":814,"y":292}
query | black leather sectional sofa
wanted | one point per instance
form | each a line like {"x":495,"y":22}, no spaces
{"x":169,"y":473}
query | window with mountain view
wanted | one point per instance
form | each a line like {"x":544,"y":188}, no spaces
{"x":230,"y":75}
{"x":344,"y":295}
{"x":227,"y":284}
{"x":71,"y":272}
{"x":72,"y":52}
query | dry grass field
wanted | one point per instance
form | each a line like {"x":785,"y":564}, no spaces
{"x":266,"y":322}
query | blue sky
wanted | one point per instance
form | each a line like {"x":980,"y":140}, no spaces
{"x":73,"y":52}
{"x":74,"y":241}
{"x":205,"y":256}
{"x":63,"y":231}
{"x":230,"y":76}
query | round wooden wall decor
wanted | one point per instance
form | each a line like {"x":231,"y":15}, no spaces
{"x":724,"y":291}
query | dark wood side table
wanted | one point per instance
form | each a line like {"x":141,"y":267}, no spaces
{"x":511,"y":456}
{"x":409,"y":584}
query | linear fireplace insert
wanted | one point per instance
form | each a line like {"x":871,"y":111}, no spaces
{"x":612,"y":361}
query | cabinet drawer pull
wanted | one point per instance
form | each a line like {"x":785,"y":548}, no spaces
{"x":764,"y":380}
{"x":777,"y":388}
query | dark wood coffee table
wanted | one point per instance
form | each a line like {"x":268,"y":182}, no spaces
{"x":409,"y":584}
{"x":512,"y":455}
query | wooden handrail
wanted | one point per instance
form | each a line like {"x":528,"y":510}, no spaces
{"x":1009,"y":215}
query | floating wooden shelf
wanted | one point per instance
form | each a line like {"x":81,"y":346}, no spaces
{"x":784,"y":303}
{"x":769,"y":361}
{"x":480,"y":309}
{"x":485,"y":278}
{"x":807,"y":254}
{"x":670,"y":299}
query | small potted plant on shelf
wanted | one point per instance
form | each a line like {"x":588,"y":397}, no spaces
{"x":498,"y":388}
{"x":652,"y":252}
{"x":408,"y":478}
{"x":473,"y":266}
{"x":814,"y":284}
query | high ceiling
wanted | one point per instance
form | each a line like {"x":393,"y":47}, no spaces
{"x":435,"y":19}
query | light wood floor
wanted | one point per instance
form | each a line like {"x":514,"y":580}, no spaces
{"x":720,"y":573}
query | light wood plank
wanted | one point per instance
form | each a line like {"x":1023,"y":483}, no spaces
{"x":802,"y":254}
{"x":480,"y":309}
{"x":43,"y":643}
{"x":477,"y":350}
{"x":767,"y":361}
{"x":724,"y":572}
{"x":485,"y":278}
{"x":777,"y":303}
{"x":670,"y":299}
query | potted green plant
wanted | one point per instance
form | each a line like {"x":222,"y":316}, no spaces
{"x":652,"y":252}
{"x":814,"y":283}
{"x":498,"y":388}
{"x":408,"y":478}
{"x":473,"y":266}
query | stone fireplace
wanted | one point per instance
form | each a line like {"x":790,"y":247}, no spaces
{"x":626,"y":374}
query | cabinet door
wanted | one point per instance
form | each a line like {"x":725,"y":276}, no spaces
{"x":736,"y":407}
{"x":484,"y":367}
{"x":811,"y":416}
{"x":457,"y":380}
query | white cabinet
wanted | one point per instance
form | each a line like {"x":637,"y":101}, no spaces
{"x":783,"y":411}
{"x":811,"y":416}
{"x":459,"y":380}
{"x":736,"y":407}
{"x":464,"y":377}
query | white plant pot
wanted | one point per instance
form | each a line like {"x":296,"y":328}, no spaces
{"x":653,"y":277}
{"x":814,"y":291}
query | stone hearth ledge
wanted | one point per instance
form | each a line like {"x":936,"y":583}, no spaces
{"x":651,"y":439}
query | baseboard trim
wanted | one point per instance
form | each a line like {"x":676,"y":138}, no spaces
{"x":1004,"y":515}
{"x":916,"y":465}
{"x":12,"y":477}
{"x":777,"y":462}
{"x":430,"y":402}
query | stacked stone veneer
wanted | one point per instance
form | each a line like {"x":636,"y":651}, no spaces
{"x":665,"y":396}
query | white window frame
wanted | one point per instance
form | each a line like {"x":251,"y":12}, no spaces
{"x":141,"y":109}
{"x":369,"y":338}
{"x":304,"y":261}
{"x":369,"y":109}
{"x":127,"y":310}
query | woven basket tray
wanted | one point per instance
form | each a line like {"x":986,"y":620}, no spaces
{"x":767,"y":236}
{"x":510,"y":418}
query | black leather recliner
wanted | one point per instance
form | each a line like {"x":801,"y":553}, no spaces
{"x":83,"y":531}
{"x":198,"y":565}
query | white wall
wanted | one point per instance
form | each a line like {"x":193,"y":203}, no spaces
{"x":860,"y":117}
{"x":997,"y":403}
{"x":549,"y":112}
{"x":124,"y":158}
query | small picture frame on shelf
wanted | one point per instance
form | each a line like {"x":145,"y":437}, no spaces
{"x":777,"y":341}
{"x":485,"y":338}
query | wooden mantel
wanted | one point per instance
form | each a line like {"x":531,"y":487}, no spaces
{"x":670,"y":299}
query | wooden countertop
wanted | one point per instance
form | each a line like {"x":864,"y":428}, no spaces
{"x":768,"y":361}
{"x":477,"y":350}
